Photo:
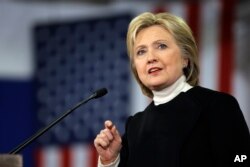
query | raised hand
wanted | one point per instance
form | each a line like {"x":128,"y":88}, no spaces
{"x":108,"y":143}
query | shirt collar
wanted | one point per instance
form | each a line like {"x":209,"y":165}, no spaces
{"x":167,"y":94}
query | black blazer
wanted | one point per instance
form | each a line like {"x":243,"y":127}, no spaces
{"x":200,"y":127}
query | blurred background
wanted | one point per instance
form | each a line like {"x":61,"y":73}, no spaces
{"x":55,"y":53}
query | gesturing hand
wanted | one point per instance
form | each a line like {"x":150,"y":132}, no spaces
{"x":108,"y":143}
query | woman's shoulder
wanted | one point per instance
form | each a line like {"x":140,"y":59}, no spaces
{"x":138,"y":115}
{"x":207,"y":97}
{"x":209,"y":94}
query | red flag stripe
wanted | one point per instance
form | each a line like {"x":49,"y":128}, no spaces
{"x":193,"y":18}
{"x":159,"y":8}
{"x":65,"y":156}
{"x":226,"y":50}
{"x":39,"y":158}
{"x":93,"y":156}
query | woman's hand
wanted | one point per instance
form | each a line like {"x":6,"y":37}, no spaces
{"x":108,"y":143}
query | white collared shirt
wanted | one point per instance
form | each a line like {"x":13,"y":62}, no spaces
{"x":167,"y":94}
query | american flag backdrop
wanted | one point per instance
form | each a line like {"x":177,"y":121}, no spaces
{"x":80,"y":56}
{"x":73,"y":60}
{"x":74,"y":57}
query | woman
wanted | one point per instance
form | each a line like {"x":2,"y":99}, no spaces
{"x":185,"y":124}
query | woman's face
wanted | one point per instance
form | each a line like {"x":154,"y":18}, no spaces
{"x":157,"y":58}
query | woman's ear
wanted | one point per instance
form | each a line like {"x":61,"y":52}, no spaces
{"x":185,"y":62}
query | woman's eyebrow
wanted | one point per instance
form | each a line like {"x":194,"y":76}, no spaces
{"x":140,"y":46}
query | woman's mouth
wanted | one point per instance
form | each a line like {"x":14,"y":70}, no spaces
{"x":154,"y":70}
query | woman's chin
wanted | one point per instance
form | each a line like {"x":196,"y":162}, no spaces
{"x":156,"y":87}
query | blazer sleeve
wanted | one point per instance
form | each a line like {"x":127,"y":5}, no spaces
{"x":125,"y":151}
{"x":228,"y":130}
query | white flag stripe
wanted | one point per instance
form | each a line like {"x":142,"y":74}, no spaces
{"x":179,"y":9}
{"x":209,"y":42}
{"x":240,"y":85}
{"x":80,"y":155}
{"x":51,"y":157}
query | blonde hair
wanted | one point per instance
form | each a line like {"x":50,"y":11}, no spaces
{"x":182,"y":34}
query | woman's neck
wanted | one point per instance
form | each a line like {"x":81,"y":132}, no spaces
{"x":167,"y":94}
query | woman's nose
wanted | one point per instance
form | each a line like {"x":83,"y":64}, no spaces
{"x":151,"y":57}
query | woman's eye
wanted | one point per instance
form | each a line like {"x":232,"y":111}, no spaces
{"x":162,"y":46}
{"x":140,"y":52}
